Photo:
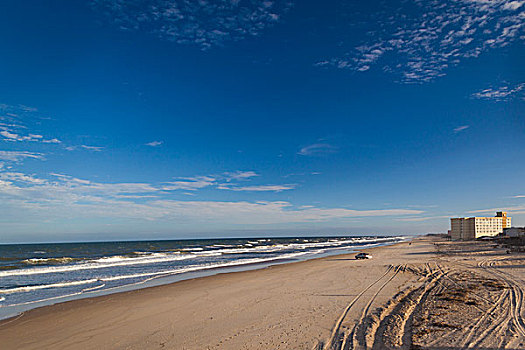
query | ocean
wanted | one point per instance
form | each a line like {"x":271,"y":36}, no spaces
{"x":33,"y":275}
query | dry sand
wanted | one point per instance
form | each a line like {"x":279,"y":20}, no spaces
{"x":431,"y":294}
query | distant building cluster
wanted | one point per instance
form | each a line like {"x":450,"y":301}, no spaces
{"x":466,"y":229}
{"x":514,"y":232}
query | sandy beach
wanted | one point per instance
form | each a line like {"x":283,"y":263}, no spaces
{"x":425,"y":294}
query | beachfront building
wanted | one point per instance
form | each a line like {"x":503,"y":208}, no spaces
{"x":505,"y":220}
{"x":474,"y":227}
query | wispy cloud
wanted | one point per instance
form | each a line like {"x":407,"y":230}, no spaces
{"x":92,"y":148}
{"x":27,"y":108}
{"x":135,"y":196}
{"x":154,"y":143}
{"x":10,"y":135}
{"x":17,"y":156}
{"x":12,"y":112}
{"x":302,"y":174}
{"x":512,"y":209}
{"x":422,"y":218}
{"x":183,"y":183}
{"x":217,"y":181}
{"x":72,"y":198}
{"x":239,"y":175}
{"x":55,"y":140}
{"x":317,"y":149}
{"x":461,"y":128}
{"x":21,"y":177}
{"x":519,"y":196}
{"x":12,"y":128}
{"x":15,"y":121}
{"x":501,"y":93}
{"x":189,"y":184}
{"x":201,"y":23}
{"x":260,"y":188}
{"x":421,"y":39}
{"x":86,"y":147}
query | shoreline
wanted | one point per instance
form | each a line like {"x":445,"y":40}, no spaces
{"x":9,"y":312}
{"x":424,"y":293}
{"x":276,"y":287}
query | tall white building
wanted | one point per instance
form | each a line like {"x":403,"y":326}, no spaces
{"x":471,"y":228}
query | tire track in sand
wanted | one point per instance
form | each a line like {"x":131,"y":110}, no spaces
{"x":486,"y":320}
{"x":353,"y":334}
{"x":392,"y":330}
{"x":389,"y":328}
{"x":516,"y":293}
{"x":335,"y":335}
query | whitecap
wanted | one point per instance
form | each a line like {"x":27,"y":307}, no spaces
{"x":45,"y":286}
{"x":43,"y":261}
{"x":101,"y":263}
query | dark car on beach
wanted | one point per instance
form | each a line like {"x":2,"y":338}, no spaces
{"x":363,"y":256}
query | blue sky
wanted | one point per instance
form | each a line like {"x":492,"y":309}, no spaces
{"x":181,"y":119}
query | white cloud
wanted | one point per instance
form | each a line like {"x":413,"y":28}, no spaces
{"x":461,"y":128}
{"x":198,"y":182}
{"x":86,"y":147}
{"x":135,"y":196}
{"x":55,"y":140}
{"x":501,"y":93}
{"x":201,"y":23}
{"x":513,"y":5}
{"x":512,"y":209}
{"x":317,"y":149}
{"x":260,"y":188}
{"x":519,"y":196}
{"x":184,"y":183}
{"x":16,"y":111}
{"x":28,"y":108}
{"x":10,"y":135}
{"x":189,"y":184}
{"x":66,"y":197}
{"x":21,"y":177}
{"x":76,"y":185}
{"x":154,"y":143}
{"x":422,"y":218}
{"x":92,"y":148}
{"x":16,"y":156}
{"x":14,"y":115}
{"x":239,"y":175}
{"x":419,"y":40}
